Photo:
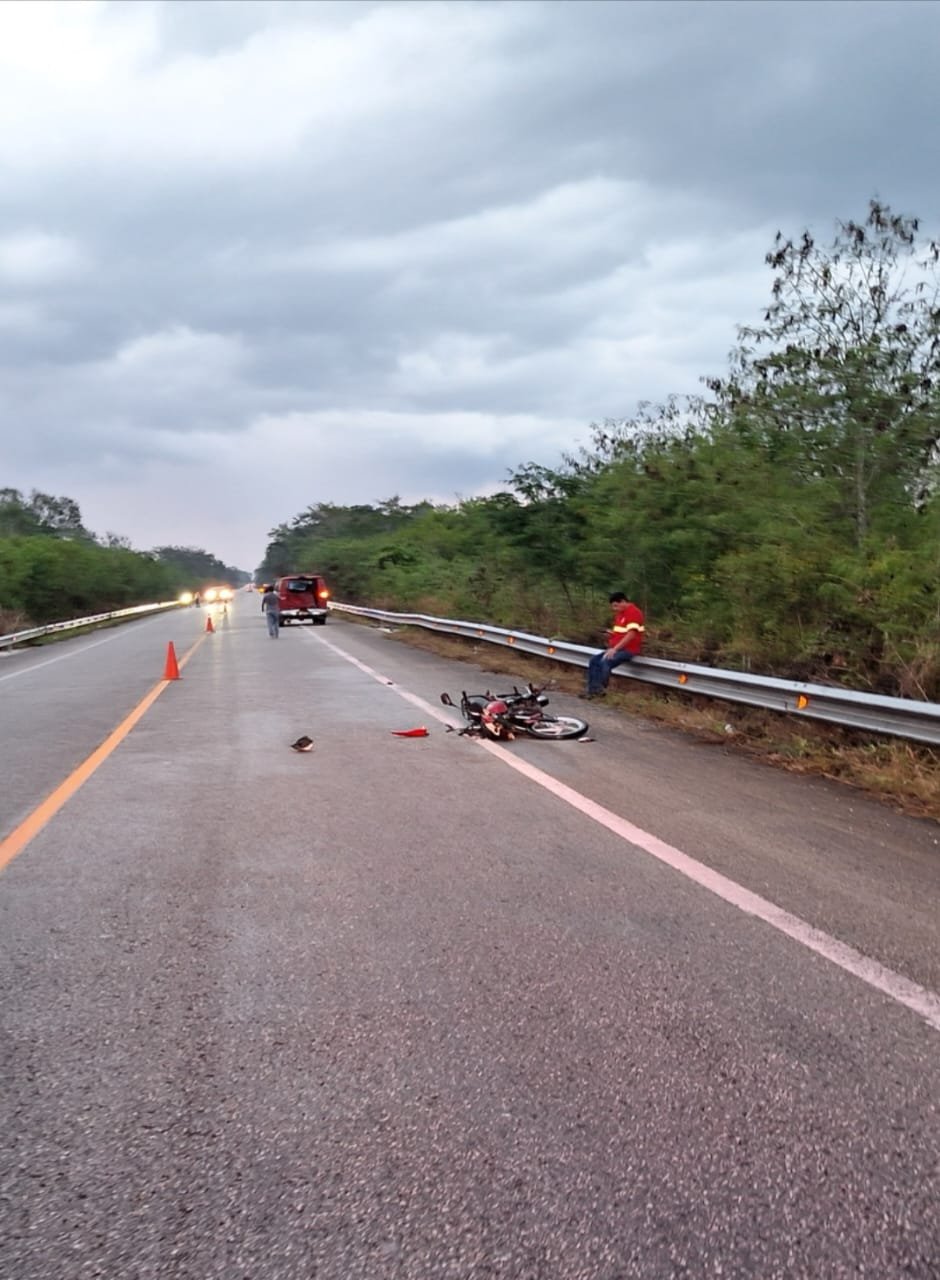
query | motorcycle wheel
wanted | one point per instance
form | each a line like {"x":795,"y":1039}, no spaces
{"x":558,"y":728}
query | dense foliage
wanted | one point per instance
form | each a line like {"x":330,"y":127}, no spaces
{"x":52,"y":568}
{"x":788,"y":521}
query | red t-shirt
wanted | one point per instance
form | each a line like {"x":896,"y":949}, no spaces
{"x":627,"y":621}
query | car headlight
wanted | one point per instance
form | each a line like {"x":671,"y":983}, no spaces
{"x":186,"y":598}
{"x":210,"y":595}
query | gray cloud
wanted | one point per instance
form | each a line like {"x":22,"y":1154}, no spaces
{"x":395,"y":247}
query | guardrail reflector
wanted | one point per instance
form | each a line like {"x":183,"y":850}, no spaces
{"x":858,"y":709}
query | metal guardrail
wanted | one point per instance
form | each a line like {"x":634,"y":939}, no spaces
{"x":855,"y":709}
{"x":35,"y":633}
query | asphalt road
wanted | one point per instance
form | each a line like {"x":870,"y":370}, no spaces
{"x":391,"y":1010}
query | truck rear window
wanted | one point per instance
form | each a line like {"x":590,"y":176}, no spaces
{"x":300,"y":584}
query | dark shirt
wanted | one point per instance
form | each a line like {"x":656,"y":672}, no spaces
{"x":270,"y":601}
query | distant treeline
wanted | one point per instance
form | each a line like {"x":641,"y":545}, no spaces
{"x":787,"y":521}
{"x":52,"y":568}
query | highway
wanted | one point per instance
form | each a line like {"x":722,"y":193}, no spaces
{"x":395,"y":1009}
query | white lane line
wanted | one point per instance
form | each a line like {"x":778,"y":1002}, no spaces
{"x":919,"y":999}
{"x":73,"y":653}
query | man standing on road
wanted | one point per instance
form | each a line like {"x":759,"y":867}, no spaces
{"x":624,"y":642}
{"x":271,"y":608}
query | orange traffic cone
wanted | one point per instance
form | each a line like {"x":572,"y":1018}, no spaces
{"x":171,"y":671}
{"x":209,"y":626}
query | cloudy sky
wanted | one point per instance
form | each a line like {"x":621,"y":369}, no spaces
{"x":259,"y":255}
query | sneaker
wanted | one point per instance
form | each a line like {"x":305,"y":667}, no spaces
{"x":591,"y":697}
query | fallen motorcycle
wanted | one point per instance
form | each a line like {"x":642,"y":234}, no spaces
{"x":502,"y":716}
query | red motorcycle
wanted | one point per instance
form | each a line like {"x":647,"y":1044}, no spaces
{"x":503,"y":716}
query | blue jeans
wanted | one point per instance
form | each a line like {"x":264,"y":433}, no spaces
{"x":272,"y":618}
{"x":600,"y":667}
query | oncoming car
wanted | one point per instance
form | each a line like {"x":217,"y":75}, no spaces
{"x":217,"y":595}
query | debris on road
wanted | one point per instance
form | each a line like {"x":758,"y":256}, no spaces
{"x":303,"y":744}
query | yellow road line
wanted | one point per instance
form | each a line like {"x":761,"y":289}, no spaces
{"x":31,"y":825}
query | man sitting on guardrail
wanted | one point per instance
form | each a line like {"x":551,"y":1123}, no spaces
{"x":624,"y":642}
